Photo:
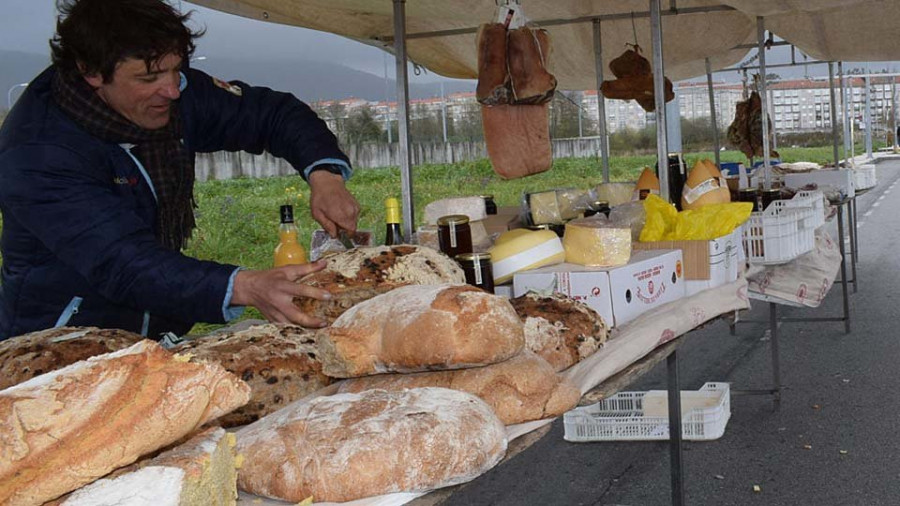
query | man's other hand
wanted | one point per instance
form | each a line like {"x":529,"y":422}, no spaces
{"x":272,"y":292}
{"x":331,"y":204}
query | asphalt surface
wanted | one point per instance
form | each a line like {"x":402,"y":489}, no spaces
{"x":831,"y":442}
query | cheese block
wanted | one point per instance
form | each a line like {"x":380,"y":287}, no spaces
{"x":595,"y":242}
{"x":544,"y":208}
{"x":705,"y":185}
{"x":200,"y":472}
{"x":647,"y":184}
{"x":473,"y":207}
{"x":522,"y":251}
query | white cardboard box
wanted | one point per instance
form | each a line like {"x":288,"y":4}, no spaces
{"x":618,"y":294}
{"x":726,"y":256}
{"x":839,"y":178}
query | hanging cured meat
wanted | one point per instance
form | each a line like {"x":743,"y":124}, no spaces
{"x":634,"y":80}
{"x":745,"y":132}
{"x":514,"y":88}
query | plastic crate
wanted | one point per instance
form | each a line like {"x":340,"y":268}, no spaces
{"x":777,"y":235}
{"x":812,"y":203}
{"x":865,"y":176}
{"x":621,"y":418}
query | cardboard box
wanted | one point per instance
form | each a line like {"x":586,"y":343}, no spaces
{"x":505,"y":290}
{"x":698,"y":255}
{"x":618,"y":294}
{"x":507,"y":218}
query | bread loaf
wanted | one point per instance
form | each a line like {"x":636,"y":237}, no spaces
{"x":62,"y":430}
{"x":279,"y":362}
{"x":561,"y":330}
{"x":199,"y":472}
{"x":348,"y":446}
{"x":362,"y":273}
{"x":419,"y":328}
{"x":30,"y":355}
{"x":521,"y":389}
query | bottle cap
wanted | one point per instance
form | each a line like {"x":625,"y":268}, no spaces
{"x":392,"y":210}
{"x":287,"y":214}
{"x":392,"y":202}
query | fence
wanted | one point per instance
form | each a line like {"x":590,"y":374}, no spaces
{"x":225,"y":165}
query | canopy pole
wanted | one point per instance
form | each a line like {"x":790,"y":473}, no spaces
{"x":868,"y":116}
{"x":662,"y":148}
{"x":712,"y":112}
{"x":764,"y":98}
{"x":894,"y":112}
{"x":601,"y":102}
{"x":845,"y":107}
{"x":834,"y":127}
{"x":403,"y":117}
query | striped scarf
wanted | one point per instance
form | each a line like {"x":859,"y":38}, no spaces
{"x":161,"y":152}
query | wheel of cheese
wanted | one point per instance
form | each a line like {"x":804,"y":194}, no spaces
{"x":705,"y":185}
{"x":647,"y":184}
{"x":521,"y":251}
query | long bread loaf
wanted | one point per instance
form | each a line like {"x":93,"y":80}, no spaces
{"x":67,"y":428}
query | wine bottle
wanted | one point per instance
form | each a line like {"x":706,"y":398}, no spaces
{"x":392,"y":235}
{"x":288,"y":251}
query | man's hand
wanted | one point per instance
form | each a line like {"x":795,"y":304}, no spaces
{"x":272,"y":292}
{"x":331,"y":204}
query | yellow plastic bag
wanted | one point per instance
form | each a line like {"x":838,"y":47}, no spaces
{"x":664,"y":223}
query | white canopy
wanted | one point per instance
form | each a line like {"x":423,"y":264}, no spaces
{"x":825,"y":29}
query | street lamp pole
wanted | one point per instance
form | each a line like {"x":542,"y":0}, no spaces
{"x":10,"y":92}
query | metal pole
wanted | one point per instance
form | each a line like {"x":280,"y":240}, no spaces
{"x":712,"y":112}
{"x":868,"y":118}
{"x":834,"y":127}
{"x":662,"y":148}
{"x":894,"y":112}
{"x":761,"y":39}
{"x":601,"y":102}
{"x":774,"y":126}
{"x":444,"y":112}
{"x":403,"y":116}
{"x":387,"y":104}
{"x":845,"y":111}
{"x":676,"y":461}
{"x":842,"y":248}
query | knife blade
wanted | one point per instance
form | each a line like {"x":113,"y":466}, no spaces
{"x":345,"y":240}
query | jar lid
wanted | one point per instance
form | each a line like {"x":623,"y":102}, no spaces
{"x":453,"y":219}
{"x":598,"y":203}
{"x":487,"y":196}
{"x":543,"y":226}
{"x":770,"y":191}
{"x":473,"y":256}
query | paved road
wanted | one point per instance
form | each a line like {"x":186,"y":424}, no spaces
{"x":834,"y":441}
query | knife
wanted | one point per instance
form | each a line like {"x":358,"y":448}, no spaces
{"x":345,"y":240}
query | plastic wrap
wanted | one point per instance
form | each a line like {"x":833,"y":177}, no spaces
{"x":614,"y":193}
{"x":629,"y":215}
{"x":597,"y":242}
{"x":322,"y":244}
{"x":664,"y":223}
{"x":556,"y":207}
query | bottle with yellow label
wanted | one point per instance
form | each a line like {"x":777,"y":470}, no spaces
{"x":393,"y":235}
{"x":289,"y":251}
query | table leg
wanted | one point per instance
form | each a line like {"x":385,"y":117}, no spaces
{"x":675,"y":449}
{"x":840,"y":218}
{"x":854,"y":242}
{"x":776,"y":365}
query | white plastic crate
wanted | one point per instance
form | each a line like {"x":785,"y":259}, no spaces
{"x":621,"y":418}
{"x":865,"y":176}
{"x":777,"y":235}
{"x":813,"y":205}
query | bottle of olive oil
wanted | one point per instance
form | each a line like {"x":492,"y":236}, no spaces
{"x":393,"y":235}
{"x":289,"y":250}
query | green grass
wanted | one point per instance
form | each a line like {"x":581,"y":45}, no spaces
{"x":238,"y":219}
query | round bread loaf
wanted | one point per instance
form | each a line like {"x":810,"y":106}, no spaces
{"x":279,"y":362}
{"x":561,"y":330}
{"x":29,"y":355}
{"x":362,"y":273}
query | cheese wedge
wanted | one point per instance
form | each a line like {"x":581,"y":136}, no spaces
{"x":596,"y":243}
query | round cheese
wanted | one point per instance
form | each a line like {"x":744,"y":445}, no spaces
{"x":596,"y":243}
{"x":647,"y":184}
{"x":526,"y":250}
{"x":705,"y":185}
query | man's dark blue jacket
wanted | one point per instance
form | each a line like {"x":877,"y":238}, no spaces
{"x":78,"y":213}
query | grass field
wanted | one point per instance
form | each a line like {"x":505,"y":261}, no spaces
{"x":238,"y":219}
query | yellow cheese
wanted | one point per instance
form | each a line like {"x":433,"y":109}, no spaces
{"x":595,"y":243}
{"x":525,"y":250}
{"x":705,"y":185}
{"x":647,"y":184}
{"x":510,"y":235}
{"x":544,"y":208}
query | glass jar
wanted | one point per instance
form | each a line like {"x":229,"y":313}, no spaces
{"x":490,"y":207}
{"x":598,"y":207}
{"x":478,"y":269}
{"x":749,"y":195}
{"x":454,"y":234}
{"x":769,"y":196}
{"x":559,"y":230}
